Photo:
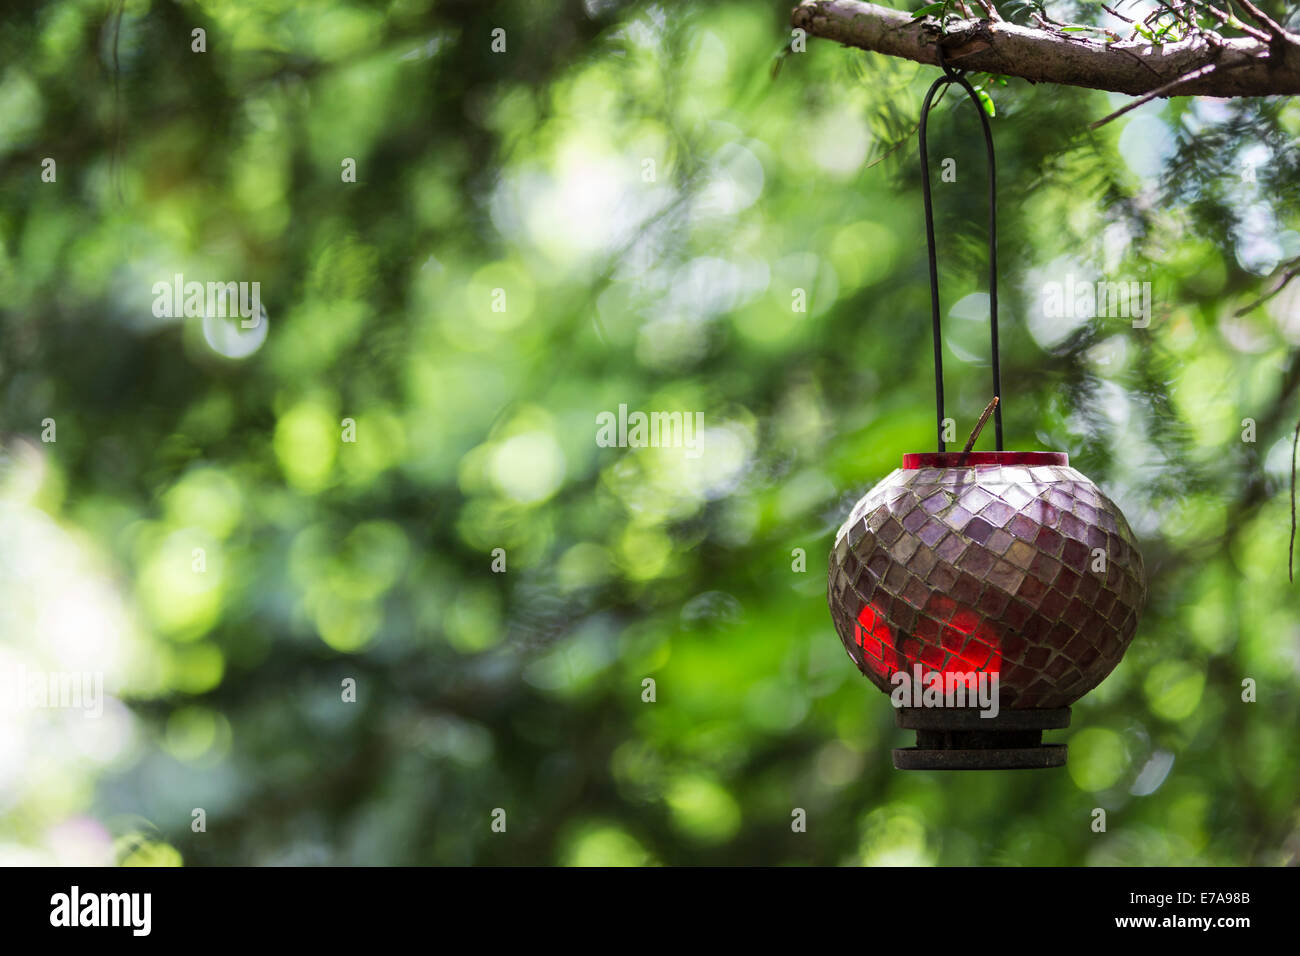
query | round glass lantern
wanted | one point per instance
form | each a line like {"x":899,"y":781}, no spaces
{"x":999,"y":563}
{"x":985,"y":592}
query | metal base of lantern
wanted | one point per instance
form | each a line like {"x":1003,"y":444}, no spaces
{"x":960,"y":739}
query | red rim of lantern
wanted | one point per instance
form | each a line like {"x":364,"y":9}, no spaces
{"x":959,"y":459}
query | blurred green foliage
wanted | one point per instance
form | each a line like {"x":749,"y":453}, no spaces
{"x":648,"y":196}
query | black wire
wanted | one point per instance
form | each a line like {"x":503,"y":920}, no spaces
{"x":950,"y":76}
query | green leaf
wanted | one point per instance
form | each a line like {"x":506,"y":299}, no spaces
{"x":987,"y":102}
{"x":930,"y":9}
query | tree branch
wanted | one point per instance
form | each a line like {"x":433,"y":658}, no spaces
{"x":1165,"y":90}
{"x":1243,"y":66}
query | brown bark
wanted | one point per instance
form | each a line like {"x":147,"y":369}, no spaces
{"x":1247,"y":66}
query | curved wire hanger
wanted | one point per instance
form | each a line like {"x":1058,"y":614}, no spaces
{"x":950,"y":76}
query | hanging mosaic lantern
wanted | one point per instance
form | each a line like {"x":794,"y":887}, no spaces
{"x":965,"y":571}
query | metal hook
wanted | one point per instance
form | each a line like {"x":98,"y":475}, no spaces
{"x":955,"y":76}
{"x":953,"y":72}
